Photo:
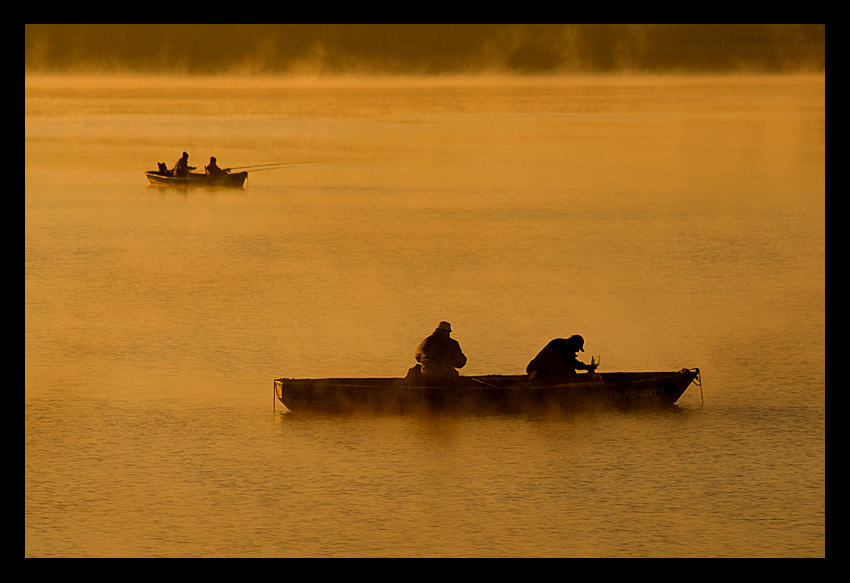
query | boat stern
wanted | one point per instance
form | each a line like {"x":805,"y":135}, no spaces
{"x":278,"y":392}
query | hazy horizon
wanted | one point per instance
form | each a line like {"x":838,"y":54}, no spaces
{"x":421,"y":49}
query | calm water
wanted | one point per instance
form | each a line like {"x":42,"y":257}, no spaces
{"x":673,"y":222}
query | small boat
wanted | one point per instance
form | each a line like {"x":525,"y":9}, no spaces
{"x":194,"y":179}
{"x":500,"y":393}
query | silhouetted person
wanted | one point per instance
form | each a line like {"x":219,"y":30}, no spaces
{"x":182,"y":167}
{"x":557,"y":362}
{"x":439,"y":355}
{"x":212,"y":169}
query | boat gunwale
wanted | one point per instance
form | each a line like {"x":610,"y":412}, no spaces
{"x":522,"y":382}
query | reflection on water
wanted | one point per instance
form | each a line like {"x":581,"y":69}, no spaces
{"x":670,"y":221}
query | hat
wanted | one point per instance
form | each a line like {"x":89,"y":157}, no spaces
{"x":577,"y":341}
{"x":444,"y":326}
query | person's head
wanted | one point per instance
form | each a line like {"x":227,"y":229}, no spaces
{"x":185,"y":155}
{"x":577,"y":342}
{"x":212,"y":159}
{"x":444,"y":328}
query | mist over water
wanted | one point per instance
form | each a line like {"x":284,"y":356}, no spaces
{"x":674,"y":221}
{"x":423,"y":49}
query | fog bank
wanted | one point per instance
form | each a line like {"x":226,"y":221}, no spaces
{"x":215,"y":49}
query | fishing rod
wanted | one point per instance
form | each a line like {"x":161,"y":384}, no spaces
{"x":263,"y":165}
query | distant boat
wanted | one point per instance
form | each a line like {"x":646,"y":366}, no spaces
{"x":504,"y":393}
{"x":228,"y":180}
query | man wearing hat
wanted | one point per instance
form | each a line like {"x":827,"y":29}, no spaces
{"x":439,"y":355}
{"x":557,"y":362}
{"x":182,"y":168}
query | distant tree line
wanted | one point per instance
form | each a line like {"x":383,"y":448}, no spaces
{"x":423,"y":48}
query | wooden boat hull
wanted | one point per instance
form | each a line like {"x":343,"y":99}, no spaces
{"x":234,"y":180}
{"x":503,"y":393}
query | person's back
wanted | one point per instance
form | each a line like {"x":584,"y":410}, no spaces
{"x":552,"y":365}
{"x":212,"y":169}
{"x":557,"y":362}
{"x":182,"y":168}
{"x":440,"y":355}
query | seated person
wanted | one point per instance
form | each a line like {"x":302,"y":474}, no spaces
{"x":182,"y":168}
{"x":557,"y":362}
{"x":213,"y":169}
{"x":439,"y":355}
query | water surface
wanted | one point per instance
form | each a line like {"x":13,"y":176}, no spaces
{"x":672,"y":221}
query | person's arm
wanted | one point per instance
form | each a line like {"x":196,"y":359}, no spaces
{"x":460,"y":357}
